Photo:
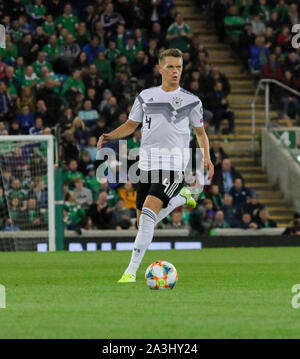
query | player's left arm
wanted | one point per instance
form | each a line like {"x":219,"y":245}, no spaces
{"x":203,"y":142}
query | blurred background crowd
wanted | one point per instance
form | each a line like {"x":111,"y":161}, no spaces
{"x":74,"y":68}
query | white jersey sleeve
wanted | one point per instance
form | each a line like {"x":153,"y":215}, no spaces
{"x":137,"y":112}
{"x":196,"y":116}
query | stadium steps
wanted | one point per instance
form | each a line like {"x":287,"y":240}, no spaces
{"x":239,"y":145}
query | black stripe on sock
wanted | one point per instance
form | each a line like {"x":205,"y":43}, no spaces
{"x":149,"y":214}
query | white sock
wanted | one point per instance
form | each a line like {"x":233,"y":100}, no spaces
{"x":142,"y":240}
{"x":174,"y":202}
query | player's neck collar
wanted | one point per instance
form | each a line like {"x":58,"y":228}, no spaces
{"x":169,"y":92}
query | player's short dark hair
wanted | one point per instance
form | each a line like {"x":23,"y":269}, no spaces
{"x":169,"y":53}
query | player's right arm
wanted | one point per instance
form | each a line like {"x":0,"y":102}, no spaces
{"x":120,"y":132}
{"x":135,"y":118}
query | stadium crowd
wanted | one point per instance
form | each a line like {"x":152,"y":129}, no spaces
{"x":74,"y":68}
{"x":260,"y":34}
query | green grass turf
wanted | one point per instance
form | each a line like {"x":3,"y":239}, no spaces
{"x":221,"y":293}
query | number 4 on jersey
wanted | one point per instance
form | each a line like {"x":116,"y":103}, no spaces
{"x":148,"y":120}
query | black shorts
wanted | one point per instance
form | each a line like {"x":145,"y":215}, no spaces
{"x":162,"y":184}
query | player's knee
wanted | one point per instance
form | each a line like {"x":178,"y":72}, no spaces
{"x":153,"y":203}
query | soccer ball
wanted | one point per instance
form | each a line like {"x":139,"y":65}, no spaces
{"x":161,"y":275}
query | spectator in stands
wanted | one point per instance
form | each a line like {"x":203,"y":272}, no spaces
{"x":38,"y":126}
{"x":68,"y":20}
{"x":69,"y":148}
{"x":135,"y":141}
{"x":239,"y":193}
{"x":9,"y":226}
{"x":80,"y":132}
{"x":99,"y":128}
{"x":247,"y":39}
{"x":272,"y":69}
{"x":92,"y":80}
{"x":209,"y":213}
{"x":25,"y":119}
{"x":110,"y":18}
{"x":16,"y":189}
{"x":88,"y":114}
{"x":92,"y":96}
{"x":289,"y":101}
{"x":52,"y":48}
{"x":71,"y":173}
{"x":217,"y":153}
{"x":202,"y":64}
{"x":215,"y":76}
{"x":293,"y":14}
{"x":93,"y":49}
{"x":85,"y":163}
{"x":66,"y":119}
{"x":40,"y":63}
{"x":73,"y":84}
{"x":112,"y":195}
{"x":73,"y":213}
{"x":179,"y":34}
{"x":247,"y":222}
{"x":157,"y":32}
{"x":17,"y":212}
{"x":70,"y":50}
{"x":40,"y":193}
{"x":294,"y":226}
{"x":3,"y":67}
{"x":128,"y":194}
{"x":111,"y":111}
{"x":141,"y":69}
{"x":27,"y":98}
{"x":264,"y":220}
{"x":83,"y":195}
{"x":284,"y":39}
{"x":292,"y":63}
{"x":5,"y":103}
{"x":219,"y":221}
{"x":112,"y":52}
{"x":91,"y":148}
{"x":121,"y":216}
{"x":230,"y":211}
{"x":12,"y":83}
{"x":274,"y":22}
{"x":37,"y":166}
{"x":225,"y":176}
{"x":216,"y":197}
{"x":220,"y":108}
{"x":176,"y":221}
{"x":130,"y":50}
{"x":30,"y":78}
{"x":259,"y":56}
{"x":233,"y":23}
{"x":104,"y":68}
{"x":270,"y":38}
{"x":20,"y":68}
{"x":253,"y":206}
{"x":258,"y":26}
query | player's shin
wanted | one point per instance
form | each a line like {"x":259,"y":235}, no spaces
{"x":174,"y":202}
{"x":143,"y":239}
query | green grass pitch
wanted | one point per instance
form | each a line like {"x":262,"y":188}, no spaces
{"x":221,"y":293}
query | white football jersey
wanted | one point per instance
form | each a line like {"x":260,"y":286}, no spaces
{"x":166,"y":118}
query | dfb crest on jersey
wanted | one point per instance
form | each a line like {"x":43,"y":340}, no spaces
{"x":176,"y":101}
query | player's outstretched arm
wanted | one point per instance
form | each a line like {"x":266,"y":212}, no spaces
{"x":203,"y":142}
{"x":120,"y":132}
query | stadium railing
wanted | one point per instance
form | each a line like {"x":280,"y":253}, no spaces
{"x":281,"y":166}
{"x":265,"y":84}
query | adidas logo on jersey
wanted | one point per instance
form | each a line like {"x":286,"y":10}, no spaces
{"x":151,"y":99}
